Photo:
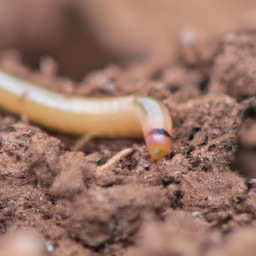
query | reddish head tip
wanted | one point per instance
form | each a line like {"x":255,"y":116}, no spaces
{"x":158,"y":143}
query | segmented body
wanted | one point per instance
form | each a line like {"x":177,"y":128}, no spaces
{"x":128,"y":116}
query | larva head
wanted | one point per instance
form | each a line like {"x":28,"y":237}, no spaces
{"x":158,"y":142}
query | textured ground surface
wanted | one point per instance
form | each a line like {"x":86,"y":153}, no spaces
{"x":200,"y":200}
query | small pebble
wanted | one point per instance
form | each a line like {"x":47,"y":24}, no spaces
{"x":49,"y":247}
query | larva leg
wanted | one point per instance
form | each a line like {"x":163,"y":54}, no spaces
{"x":87,"y":137}
{"x":82,"y":140}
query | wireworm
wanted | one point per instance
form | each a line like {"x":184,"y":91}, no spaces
{"x":128,"y":116}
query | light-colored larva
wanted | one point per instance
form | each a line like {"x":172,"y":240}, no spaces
{"x":129,"y":116}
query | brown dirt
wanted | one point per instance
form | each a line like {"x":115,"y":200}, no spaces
{"x":200,"y":200}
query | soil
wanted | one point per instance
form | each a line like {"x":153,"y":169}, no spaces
{"x":199,"y":200}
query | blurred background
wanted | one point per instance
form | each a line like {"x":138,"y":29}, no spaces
{"x":84,"y":35}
